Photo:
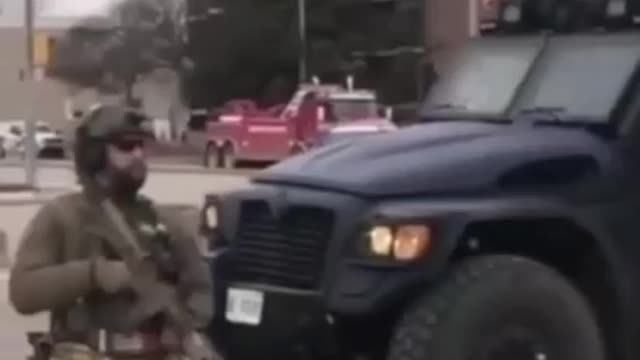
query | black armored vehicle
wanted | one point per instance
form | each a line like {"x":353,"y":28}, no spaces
{"x":505,"y":225}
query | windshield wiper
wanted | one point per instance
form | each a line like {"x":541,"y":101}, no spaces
{"x":538,"y":114}
{"x":448,"y":106}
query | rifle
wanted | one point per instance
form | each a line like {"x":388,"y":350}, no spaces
{"x":154,"y":295}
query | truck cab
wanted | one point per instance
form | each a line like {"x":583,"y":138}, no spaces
{"x":273,"y":134}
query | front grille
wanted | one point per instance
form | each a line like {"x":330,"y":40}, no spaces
{"x":287,"y":251}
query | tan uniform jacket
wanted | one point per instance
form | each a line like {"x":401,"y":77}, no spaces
{"x":52,"y":267}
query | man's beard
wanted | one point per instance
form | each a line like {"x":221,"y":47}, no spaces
{"x":127,"y":181}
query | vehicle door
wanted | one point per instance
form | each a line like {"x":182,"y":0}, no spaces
{"x":273,"y":134}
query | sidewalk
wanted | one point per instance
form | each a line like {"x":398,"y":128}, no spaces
{"x":26,"y":197}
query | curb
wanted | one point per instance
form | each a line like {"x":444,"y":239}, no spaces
{"x":31,"y":197}
{"x":160,"y":167}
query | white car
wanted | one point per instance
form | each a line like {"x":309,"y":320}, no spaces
{"x":48,"y":141}
{"x":11,"y":133}
{"x":3,"y":150}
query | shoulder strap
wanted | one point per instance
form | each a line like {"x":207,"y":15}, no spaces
{"x":72,"y":216}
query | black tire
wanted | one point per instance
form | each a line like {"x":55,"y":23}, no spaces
{"x":472,"y":308}
{"x":297,"y":149}
{"x":227,"y":157}
{"x":210,"y":156}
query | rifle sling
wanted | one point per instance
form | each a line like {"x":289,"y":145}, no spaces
{"x":144,"y":273}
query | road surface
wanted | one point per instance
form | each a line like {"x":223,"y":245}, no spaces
{"x":166,"y":182}
{"x":171,"y":185}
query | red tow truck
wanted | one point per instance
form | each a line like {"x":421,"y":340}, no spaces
{"x":243,"y":132}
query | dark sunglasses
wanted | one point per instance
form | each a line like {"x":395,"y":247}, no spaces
{"x":128,"y":145}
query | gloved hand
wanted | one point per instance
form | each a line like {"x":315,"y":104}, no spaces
{"x":196,"y":346}
{"x":110,"y":276}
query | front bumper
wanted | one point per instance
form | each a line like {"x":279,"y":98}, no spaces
{"x":290,"y":325}
{"x":304,"y":299}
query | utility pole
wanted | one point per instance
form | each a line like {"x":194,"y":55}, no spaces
{"x":302,"y":57}
{"x":29,"y":140}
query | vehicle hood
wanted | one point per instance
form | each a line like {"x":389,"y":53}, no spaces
{"x":440,"y":157}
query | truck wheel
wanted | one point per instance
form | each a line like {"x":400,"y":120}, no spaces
{"x":498,"y":308}
{"x":227,"y":157}
{"x":210,"y":157}
{"x":297,"y":149}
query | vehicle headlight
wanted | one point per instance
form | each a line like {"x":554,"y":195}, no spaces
{"x":211,"y":216}
{"x":210,"y":213}
{"x":381,"y":240}
{"x":401,"y":242}
{"x":211,"y":223}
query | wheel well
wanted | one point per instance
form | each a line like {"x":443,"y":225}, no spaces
{"x":298,"y":146}
{"x":559,"y":243}
{"x":227,"y":143}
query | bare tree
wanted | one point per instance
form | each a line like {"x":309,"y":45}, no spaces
{"x":112,"y":53}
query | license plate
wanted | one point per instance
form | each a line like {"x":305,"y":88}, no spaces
{"x":244,"y":306}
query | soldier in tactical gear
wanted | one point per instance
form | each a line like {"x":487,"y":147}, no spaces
{"x":65,"y":265}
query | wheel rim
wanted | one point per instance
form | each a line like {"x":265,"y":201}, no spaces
{"x":512,"y":344}
{"x":212,"y":158}
{"x":227,"y":157}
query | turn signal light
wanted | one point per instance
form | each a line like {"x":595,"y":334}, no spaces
{"x":403,"y":242}
{"x":411,"y":242}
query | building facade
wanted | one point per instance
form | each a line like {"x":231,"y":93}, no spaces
{"x":48,"y":99}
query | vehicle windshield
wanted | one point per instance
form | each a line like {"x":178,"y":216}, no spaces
{"x":581,"y":76}
{"x":484,"y":77}
{"x":350,"y":109}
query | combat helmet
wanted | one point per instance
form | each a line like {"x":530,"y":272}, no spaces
{"x":102,"y":124}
